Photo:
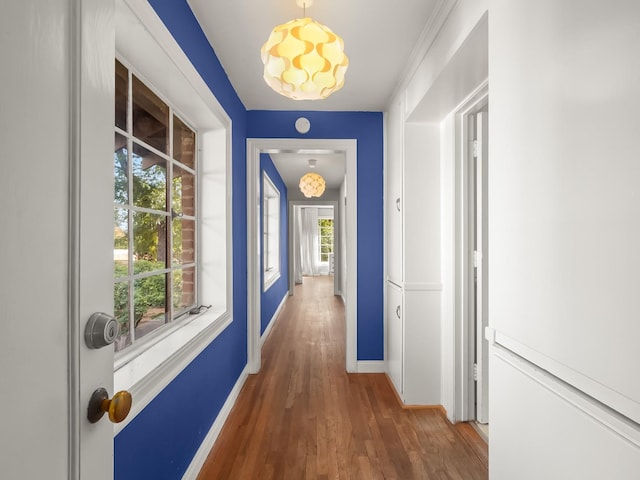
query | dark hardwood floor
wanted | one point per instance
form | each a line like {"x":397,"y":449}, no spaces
{"x":303,"y":417}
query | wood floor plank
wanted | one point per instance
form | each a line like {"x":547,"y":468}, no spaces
{"x":304,"y":417}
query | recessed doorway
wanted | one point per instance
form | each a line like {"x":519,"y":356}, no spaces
{"x":315,"y":239}
{"x":478,"y":266}
{"x":471,"y":277}
{"x":346,"y":207}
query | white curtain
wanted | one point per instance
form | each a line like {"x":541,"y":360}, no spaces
{"x":309,"y":241}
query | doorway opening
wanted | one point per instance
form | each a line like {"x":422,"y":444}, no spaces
{"x":315,"y":239}
{"x":346,"y":206}
{"x":478,"y":164}
{"x":467,"y":258}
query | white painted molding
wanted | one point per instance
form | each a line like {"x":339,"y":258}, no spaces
{"x":417,"y":287}
{"x":207,"y":444}
{"x":254,"y":291}
{"x":256,"y":146}
{"x":371,"y":366}
{"x":427,"y":37}
{"x":274,"y":317}
{"x":456,"y":387}
{"x":147,"y":16}
{"x":615,"y":401}
{"x":422,"y":287}
{"x":600,"y":412}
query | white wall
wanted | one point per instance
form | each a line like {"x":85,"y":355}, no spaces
{"x":553,"y":434}
{"x":564,"y":228}
{"x":564,"y":188}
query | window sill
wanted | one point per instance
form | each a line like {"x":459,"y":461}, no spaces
{"x":148,"y":373}
{"x":269,"y":279}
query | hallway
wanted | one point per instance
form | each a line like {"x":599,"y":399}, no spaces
{"x":303,"y":417}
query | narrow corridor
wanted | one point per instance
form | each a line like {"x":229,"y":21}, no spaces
{"x":304,"y":417}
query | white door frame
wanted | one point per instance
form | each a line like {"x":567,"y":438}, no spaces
{"x":480,"y":315}
{"x":256,"y":146}
{"x":90,"y":229}
{"x":457,"y":328}
{"x":466,"y":339}
{"x":337,"y":232}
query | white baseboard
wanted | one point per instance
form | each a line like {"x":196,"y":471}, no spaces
{"x":371,"y":366}
{"x":207,"y":444}
{"x":267,"y":331}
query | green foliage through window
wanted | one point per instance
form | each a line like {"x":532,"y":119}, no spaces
{"x":154,"y":211}
{"x":325,"y":230}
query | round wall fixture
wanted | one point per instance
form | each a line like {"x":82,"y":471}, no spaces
{"x":303,"y":125}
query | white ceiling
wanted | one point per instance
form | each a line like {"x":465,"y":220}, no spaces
{"x":379,"y":37}
{"x":292,"y":166}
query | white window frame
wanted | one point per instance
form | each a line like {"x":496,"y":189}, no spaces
{"x":270,"y":232}
{"x":144,"y":44}
{"x":319,"y":251}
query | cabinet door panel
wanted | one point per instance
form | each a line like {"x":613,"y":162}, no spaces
{"x":394,"y":203}
{"x":395,"y":330}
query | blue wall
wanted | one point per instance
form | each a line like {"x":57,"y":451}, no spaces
{"x":161,"y":441}
{"x":271,"y":299}
{"x":367,"y":129}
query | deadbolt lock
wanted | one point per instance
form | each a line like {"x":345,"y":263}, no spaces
{"x":102,"y":329}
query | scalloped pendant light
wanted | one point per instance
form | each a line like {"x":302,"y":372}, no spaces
{"x":312,"y":185}
{"x":304,"y":60}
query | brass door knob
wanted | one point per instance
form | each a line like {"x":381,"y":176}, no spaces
{"x":117,"y":407}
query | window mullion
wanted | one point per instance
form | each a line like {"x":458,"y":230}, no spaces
{"x":169,"y":259}
{"x":130,"y":202}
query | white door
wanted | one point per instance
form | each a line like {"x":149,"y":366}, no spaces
{"x":393,"y":202}
{"x":481,"y":258}
{"x":56,"y":126}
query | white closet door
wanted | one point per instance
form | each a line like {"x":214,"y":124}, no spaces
{"x":395,"y":339}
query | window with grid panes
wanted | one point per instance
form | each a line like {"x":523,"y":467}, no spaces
{"x":155,"y":216}
{"x":325,"y":237}
{"x":270,"y":232}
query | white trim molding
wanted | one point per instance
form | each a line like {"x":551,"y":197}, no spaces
{"x":428,"y":35}
{"x":255,"y":147}
{"x":620,"y":423}
{"x":574,"y":380}
{"x":371,"y":366}
{"x":457,"y":383}
{"x":422,"y":287}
